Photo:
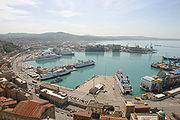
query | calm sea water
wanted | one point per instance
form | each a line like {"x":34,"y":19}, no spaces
{"x":132,"y":64}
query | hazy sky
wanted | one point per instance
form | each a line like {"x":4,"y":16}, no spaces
{"x":157,"y":18}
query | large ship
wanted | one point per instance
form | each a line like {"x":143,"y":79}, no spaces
{"x":171,"y":58}
{"x":161,"y":81}
{"x":47,"y":56}
{"x":82,"y":63}
{"x":66,"y":52}
{"x":123,"y":82}
{"x":54,"y":74}
{"x":95,"y":48}
{"x":138,"y":49}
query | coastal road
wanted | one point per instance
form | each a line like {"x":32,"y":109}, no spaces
{"x":17,"y":65}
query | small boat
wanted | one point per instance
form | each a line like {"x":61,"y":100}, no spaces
{"x":58,"y":79}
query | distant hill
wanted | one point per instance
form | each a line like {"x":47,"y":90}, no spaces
{"x":7,"y":46}
{"x":56,"y":37}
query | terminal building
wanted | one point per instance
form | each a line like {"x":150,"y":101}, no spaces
{"x":58,"y":98}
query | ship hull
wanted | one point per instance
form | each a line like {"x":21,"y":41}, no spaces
{"x":70,"y":54}
{"x":81,"y":66}
{"x":54,"y":75}
{"x":147,"y":90}
{"x":166,"y":58}
{"x":50,"y":58}
{"x":121,"y":87}
{"x":124,"y":87}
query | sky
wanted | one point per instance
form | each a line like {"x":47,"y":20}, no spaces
{"x":153,"y":18}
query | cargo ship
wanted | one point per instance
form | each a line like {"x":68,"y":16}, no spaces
{"x":123,"y":83}
{"x":161,"y":81}
{"x":138,"y":49}
{"x":171,"y":58}
{"x":47,"y":56}
{"x":54,"y":74}
{"x":95,"y":48}
{"x":170,"y":66}
{"x":82,"y":63}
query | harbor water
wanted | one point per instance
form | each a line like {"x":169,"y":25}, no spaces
{"x":134,"y":65}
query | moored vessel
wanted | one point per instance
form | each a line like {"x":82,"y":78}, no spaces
{"x":82,"y":63}
{"x":58,"y":79}
{"x":47,"y":56}
{"x":54,"y":74}
{"x":171,"y":58}
{"x":161,"y":81}
{"x":66,"y":52}
{"x":123,"y":83}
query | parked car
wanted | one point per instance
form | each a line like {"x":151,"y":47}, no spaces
{"x":70,"y":115}
{"x":138,"y":98}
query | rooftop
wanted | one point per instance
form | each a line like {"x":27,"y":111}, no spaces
{"x":20,"y":80}
{"x":112,"y":118}
{"x":174,"y":90}
{"x":50,"y":92}
{"x":141,"y":105}
{"x":7,"y":101}
{"x":129,"y":103}
{"x":93,"y":103}
{"x":50,"y":86}
{"x":159,"y":95}
{"x":30,"y":108}
{"x":145,"y":116}
{"x":82,"y":113}
{"x":3,"y":79}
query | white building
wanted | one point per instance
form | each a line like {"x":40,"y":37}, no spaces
{"x":59,"y":97}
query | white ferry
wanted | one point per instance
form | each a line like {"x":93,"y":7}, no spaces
{"x":82,"y":63}
{"x":66,"y":52}
{"x":123,"y":83}
{"x":54,"y":74}
{"x":47,"y":56}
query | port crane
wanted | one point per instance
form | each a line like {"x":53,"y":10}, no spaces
{"x":160,"y":79}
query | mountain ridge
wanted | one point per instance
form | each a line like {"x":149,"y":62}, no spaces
{"x":62,"y":36}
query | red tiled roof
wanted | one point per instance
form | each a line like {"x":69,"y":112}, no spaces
{"x":82,"y":113}
{"x":7,"y":101}
{"x":112,"y":118}
{"x":30,"y":108}
{"x":2,"y":98}
{"x":10,"y":103}
{"x":140,"y":105}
